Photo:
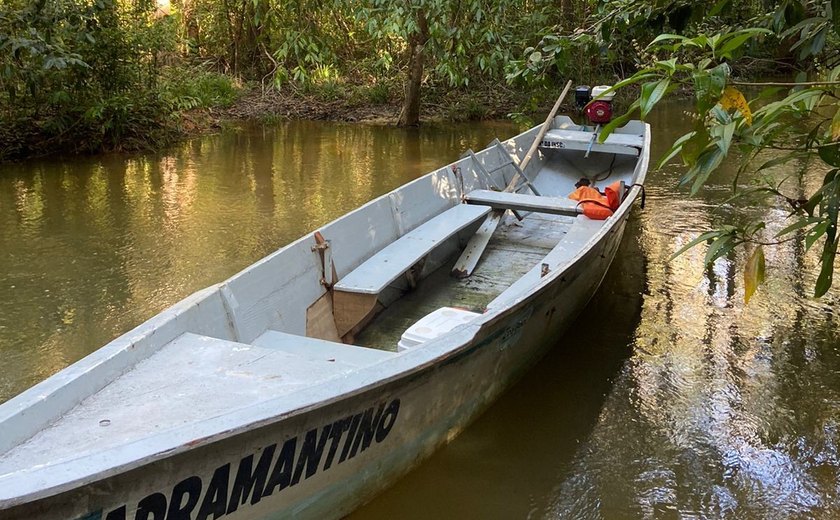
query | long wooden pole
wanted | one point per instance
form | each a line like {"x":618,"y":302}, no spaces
{"x":468,"y":260}
{"x":545,"y":126}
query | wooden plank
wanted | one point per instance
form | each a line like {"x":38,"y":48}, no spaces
{"x":350,"y":309}
{"x":469,"y":258}
{"x":387,"y":265}
{"x":319,"y":319}
{"x":622,"y":144}
{"x":524,"y":202}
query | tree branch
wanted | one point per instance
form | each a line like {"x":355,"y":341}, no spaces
{"x":777,"y":84}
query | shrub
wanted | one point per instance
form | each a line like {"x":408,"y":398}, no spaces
{"x":187,"y":90}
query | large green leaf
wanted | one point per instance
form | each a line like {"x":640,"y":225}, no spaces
{"x":651,"y":94}
{"x":668,"y":38}
{"x":675,"y":149}
{"x":618,"y":121}
{"x":799,"y":224}
{"x":709,"y":85}
{"x":830,"y":209}
{"x":825,"y":278}
{"x":782,"y":159}
{"x":720,"y":247}
{"x":815,"y":233}
{"x":830,"y":154}
{"x":707,"y":163}
{"x":696,"y":144}
{"x":732,"y":42}
{"x":723,"y":135}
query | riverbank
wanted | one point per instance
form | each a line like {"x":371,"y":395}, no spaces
{"x":185,"y":107}
{"x":369,"y":104}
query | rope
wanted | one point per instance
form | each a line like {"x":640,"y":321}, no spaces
{"x":609,"y":170}
{"x":642,"y":202}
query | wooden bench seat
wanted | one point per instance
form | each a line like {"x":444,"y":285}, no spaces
{"x":524,"y":202}
{"x":387,"y":265}
{"x":356,"y":294}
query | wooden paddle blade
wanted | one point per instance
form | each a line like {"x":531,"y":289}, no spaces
{"x":468,"y":260}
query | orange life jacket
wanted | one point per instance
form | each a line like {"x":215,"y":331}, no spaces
{"x":614,"y":192}
{"x":586,"y":193}
{"x":595,"y":205}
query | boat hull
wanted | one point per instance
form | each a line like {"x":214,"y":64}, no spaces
{"x":326,"y":461}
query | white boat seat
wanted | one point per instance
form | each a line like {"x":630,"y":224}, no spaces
{"x":321,"y":350}
{"x":387,"y":265}
{"x":570,"y":139}
{"x":524,"y":202}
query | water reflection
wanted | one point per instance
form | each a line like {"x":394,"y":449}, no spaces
{"x":722,"y":410}
{"x":92,"y":247}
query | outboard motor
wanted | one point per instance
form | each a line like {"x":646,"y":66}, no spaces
{"x":599,"y":111}
{"x":582,"y":96}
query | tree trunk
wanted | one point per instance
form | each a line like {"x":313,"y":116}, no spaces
{"x":410,"y":113}
{"x":192,"y":44}
{"x":567,"y":11}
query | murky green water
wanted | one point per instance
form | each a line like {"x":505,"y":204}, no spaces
{"x":670,"y":398}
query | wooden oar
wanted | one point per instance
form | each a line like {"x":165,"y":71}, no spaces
{"x":468,"y":260}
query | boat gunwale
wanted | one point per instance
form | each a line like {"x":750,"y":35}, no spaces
{"x":435,"y":353}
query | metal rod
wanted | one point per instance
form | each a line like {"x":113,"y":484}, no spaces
{"x":518,"y":170}
{"x":592,"y":141}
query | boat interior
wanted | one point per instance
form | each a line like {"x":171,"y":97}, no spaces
{"x":365,"y":288}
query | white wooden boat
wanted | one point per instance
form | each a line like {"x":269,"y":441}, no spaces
{"x":242,"y":401}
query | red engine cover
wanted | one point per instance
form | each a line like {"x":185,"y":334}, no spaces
{"x":599,"y":111}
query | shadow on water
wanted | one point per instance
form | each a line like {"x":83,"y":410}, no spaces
{"x":507,"y":463}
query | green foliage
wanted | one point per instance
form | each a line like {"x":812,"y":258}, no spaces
{"x":67,"y":65}
{"x":467,"y":40}
{"x":378,"y":94}
{"x":611,"y":40}
{"x":191,"y":89}
{"x":468,"y":110}
{"x":78,"y":74}
{"x":803,"y":125}
{"x":284,"y":41}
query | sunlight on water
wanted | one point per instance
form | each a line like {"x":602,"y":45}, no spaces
{"x":91,"y":247}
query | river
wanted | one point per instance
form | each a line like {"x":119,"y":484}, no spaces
{"x":670,"y":398}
